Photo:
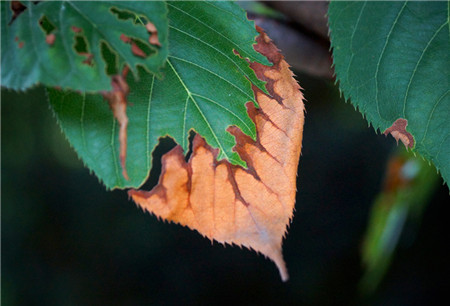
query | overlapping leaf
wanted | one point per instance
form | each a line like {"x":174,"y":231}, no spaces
{"x":30,"y":55}
{"x":204,"y":87}
{"x":392,"y":61}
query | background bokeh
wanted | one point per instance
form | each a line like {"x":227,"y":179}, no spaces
{"x":68,"y":241}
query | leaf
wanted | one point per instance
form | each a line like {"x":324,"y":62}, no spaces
{"x":409,"y":184}
{"x":392,"y":62}
{"x":40,"y":45}
{"x":204,"y":88}
{"x":247,"y":207}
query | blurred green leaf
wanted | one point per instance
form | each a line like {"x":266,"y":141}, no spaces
{"x":408,"y":186}
{"x":27,"y":59}
{"x":204,"y":88}
{"x":392,"y":61}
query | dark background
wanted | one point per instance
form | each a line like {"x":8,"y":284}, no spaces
{"x":68,"y":241}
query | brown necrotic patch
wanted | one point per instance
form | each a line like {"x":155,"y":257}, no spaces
{"x":154,"y":40}
{"x":138,"y":47}
{"x":17,"y":8}
{"x":76,"y":29}
{"x":399,"y":132}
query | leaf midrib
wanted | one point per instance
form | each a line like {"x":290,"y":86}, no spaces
{"x":188,"y":92}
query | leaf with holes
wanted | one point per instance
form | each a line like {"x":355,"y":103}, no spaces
{"x":78,"y":45}
{"x":392,"y":61}
{"x":204,"y":88}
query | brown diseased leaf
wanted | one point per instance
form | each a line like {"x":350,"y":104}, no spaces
{"x":117,"y":99}
{"x":247,"y":207}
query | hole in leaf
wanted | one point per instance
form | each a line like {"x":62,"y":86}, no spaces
{"x":81,"y":47}
{"x":124,"y":15}
{"x":138,"y":47}
{"x":190,"y":139}
{"x":165,"y":145}
{"x":110,"y":59}
{"x":46,"y":25}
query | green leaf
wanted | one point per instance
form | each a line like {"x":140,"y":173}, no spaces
{"x":27,"y":59}
{"x":204,"y":88}
{"x":392,"y":61}
{"x":409,"y":184}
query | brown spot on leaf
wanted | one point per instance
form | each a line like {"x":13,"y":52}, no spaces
{"x":150,"y":27}
{"x":399,"y":132}
{"x":125,"y":38}
{"x":89,"y":58}
{"x":247,"y":207}
{"x":75,"y":29}
{"x":17,"y":7}
{"x":117,"y":99}
{"x":21,"y":45}
{"x":50,"y":39}
{"x":137,"y":51}
{"x":153,"y":34}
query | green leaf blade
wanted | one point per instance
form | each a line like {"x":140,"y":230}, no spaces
{"x":392,"y":61}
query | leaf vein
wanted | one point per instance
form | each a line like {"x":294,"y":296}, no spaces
{"x":213,"y":73}
{"x":225,"y":108}
{"x":418,"y":63}
{"x":351,"y":43}
{"x":209,"y":27}
{"x":441,"y":98}
{"x":199,"y":109}
{"x":388,"y":37}
{"x":113,"y":150}
{"x":212,"y":47}
{"x":148,"y":121}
